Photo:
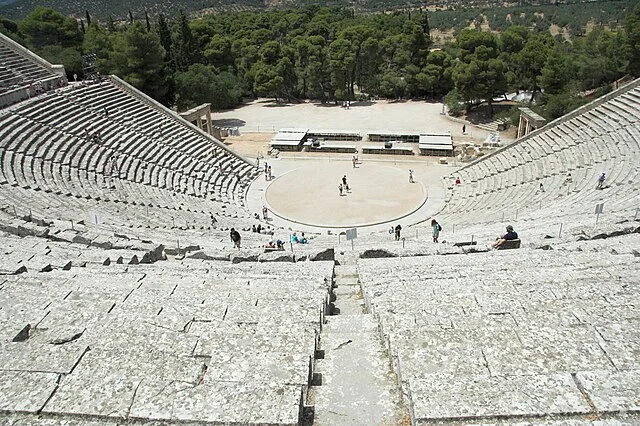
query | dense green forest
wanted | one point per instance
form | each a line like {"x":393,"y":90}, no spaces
{"x":332,"y":54}
{"x":579,"y":12}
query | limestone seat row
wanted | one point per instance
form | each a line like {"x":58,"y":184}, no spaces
{"x":479,"y":321}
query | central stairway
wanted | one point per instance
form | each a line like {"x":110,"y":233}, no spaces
{"x":358,"y":386}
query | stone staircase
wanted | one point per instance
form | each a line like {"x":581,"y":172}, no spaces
{"x":358,"y":386}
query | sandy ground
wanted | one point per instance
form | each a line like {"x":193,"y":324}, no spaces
{"x":378,"y":193}
{"x":258,"y":121}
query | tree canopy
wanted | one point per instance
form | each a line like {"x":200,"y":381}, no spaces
{"x":331,"y":54}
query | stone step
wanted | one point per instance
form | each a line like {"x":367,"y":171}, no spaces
{"x":346,"y":258}
{"x":346,"y":270}
{"x":358,"y":387}
{"x":353,"y":307}
{"x":349,"y":281}
{"x":355,"y":323}
{"x":346,"y":291}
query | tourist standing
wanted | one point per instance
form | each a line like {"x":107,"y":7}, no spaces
{"x":397,"y":230}
{"x":235,"y":237}
{"x":436,"y":230}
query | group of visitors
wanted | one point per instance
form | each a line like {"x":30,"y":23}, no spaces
{"x":344,"y":186}
{"x":299,"y":240}
{"x":435,"y":226}
{"x":278,"y":245}
{"x":267,"y":171}
{"x":396,"y":231}
{"x":96,"y":137}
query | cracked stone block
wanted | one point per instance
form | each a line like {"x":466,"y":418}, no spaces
{"x":105,"y":382}
{"x":620,"y":342}
{"x":116,"y":336}
{"x":25,"y":391}
{"x":31,"y":356}
{"x":612,"y":391}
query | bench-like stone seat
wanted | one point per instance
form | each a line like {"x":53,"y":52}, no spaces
{"x":380,"y":149}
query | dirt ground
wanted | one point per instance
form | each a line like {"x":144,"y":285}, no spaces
{"x":258,"y":121}
{"x":250,"y":145}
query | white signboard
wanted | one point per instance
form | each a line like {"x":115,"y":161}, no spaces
{"x":94,"y":218}
{"x":352,"y":233}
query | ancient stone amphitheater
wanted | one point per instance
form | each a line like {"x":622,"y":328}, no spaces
{"x":122,"y":300}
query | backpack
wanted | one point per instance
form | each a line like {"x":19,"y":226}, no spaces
{"x":439,"y":228}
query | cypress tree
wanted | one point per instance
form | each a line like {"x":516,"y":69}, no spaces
{"x":146,"y":17}
{"x":110,"y":25}
{"x":165,"y":34}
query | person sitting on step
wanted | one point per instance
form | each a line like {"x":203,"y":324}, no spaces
{"x":510,"y":235}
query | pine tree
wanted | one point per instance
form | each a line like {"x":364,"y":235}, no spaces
{"x":110,"y":25}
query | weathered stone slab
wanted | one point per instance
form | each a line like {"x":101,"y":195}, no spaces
{"x":453,"y":358}
{"x":220,"y":403}
{"x":112,"y":337}
{"x":559,"y":422}
{"x":272,"y":313}
{"x":546,"y":350}
{"x":25,"y":391}
{"x":612,"y":391}
{"x":80,"y":313}
{"x":145,"y":307}
{"x":105,"y":382}
{"x":39,"y":420}
{"x":446,"y":397}
{"x":28,"y":356}
{"x":621,"y":343}
{"x":276,"y":358}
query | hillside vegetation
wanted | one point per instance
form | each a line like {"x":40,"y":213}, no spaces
{"x":449,"y":13}
{"x":331,"y":54}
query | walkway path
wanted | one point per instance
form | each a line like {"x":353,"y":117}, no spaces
{"x":358,"y":386}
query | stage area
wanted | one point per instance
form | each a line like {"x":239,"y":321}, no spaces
{"x":310,"y":196}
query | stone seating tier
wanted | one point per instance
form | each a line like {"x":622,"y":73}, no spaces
{"x":18,"y":70}
{"x":75,"y":166}
{"x":194,"y":330}
{"x":584,"y":146}
{"x":534,"y":325}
